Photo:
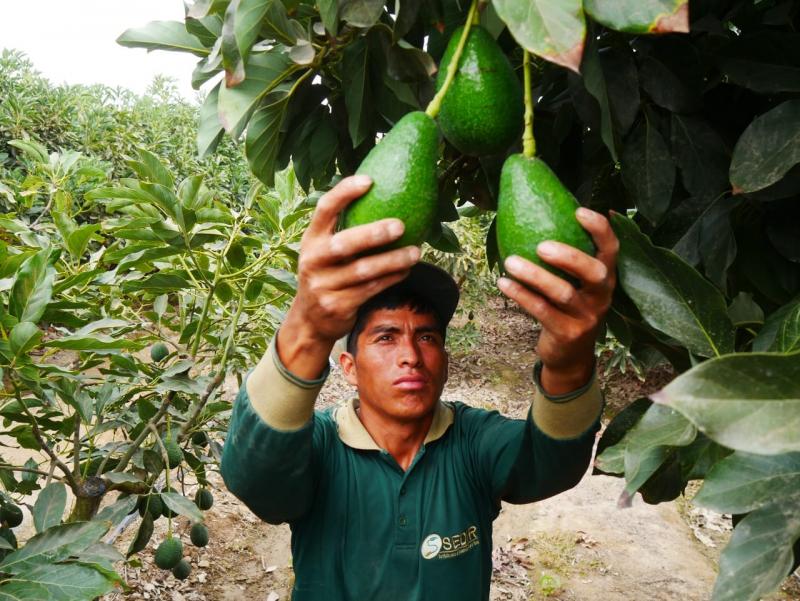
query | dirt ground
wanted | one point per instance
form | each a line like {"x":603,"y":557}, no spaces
{"x":577,"y":546}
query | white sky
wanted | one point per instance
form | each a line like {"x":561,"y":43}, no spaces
{"x":72,"y":41}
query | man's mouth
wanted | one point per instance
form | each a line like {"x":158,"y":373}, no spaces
{"x":410,"y":383}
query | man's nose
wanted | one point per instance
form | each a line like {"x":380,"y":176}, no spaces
{"x":409,"y":353}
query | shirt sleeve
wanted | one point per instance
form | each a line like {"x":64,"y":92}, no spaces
{"x":269,"y":458}
{"x":547,"y":453}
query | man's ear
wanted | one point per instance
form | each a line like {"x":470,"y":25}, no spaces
{"x":348,"y":363}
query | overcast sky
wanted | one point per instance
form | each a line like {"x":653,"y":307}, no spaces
{"x":73,"y":41}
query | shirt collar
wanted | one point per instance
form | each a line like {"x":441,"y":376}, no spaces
{"x":353,"y":433}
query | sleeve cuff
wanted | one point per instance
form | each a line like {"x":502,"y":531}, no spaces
{"x":566,"y":415}
{"x":283,"y":400}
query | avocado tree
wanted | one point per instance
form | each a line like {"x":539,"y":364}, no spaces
{"x":124,"y":305}
{"x":680,"y":121}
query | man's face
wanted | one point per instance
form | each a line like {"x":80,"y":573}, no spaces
{"x":401,"y":365}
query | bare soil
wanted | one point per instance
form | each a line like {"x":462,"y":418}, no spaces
{"x":577,"y":546}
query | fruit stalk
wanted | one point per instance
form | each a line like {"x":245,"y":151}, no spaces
{"x":435,"y":105}
{"x":528,"y":142}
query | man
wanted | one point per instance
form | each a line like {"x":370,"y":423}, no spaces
{"x":392,"y":496}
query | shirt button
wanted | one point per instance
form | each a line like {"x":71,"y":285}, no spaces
{"x":403,"y":520}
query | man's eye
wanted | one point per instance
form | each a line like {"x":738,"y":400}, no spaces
{"x":385,"y":337}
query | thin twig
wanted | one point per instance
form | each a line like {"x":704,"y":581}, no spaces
{"x":76,"y":447}
{"x":126,"y":458}
{"x":37,"y":434}
{"x":27,"y":470}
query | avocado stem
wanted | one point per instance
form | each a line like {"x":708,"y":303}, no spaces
{"x":435,"y":105}
{"x":528,"y":142}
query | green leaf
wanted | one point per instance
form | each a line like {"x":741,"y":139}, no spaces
{"x":49,"y":507}
{"x":700,"y":154}
{"x":54,"y":544}
{"x":748,"y":401}
{"x":759,"y":555}
{"x":767,"y":149}
{"x":158,"y":283}
{"x":263,"y":135}
{"x":209,"y":128}
{"x":671,"y":296}
{"x":361,"y":13}
{"x":357,"y":97}
{"x":329,"y":13}
{"x":444,"y":239}
{"x":641,"y":16}
{"x":552,"y":29}
{"x":743,"y":482}
{"x":150,"y":169}
{"x":182,"y":383}
{"x":163,"y":35}
{"x":744,"y":310}
{"x":33,"y":288}
{"x":58,"y":582}
{"x":239,"y":32}
{"x":143,"y":535}
{"x":595,"y":81}
{"x":648,"y":171}
{"x":33,"y":150}
{"x":180,"y":504}
{"x":781,"y":331}
{"x":93,"y":342}
{"x":24,"y":336}
{"x":265,"y":70}
{"x":78,"y":240}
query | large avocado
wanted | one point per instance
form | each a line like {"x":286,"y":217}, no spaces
{"x":482,"y":110}
{"x":403,"y":171}
{"x":534,"y":206}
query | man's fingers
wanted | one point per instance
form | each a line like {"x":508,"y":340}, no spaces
{"x":373,"y":267}
{"x":534,"y":304}
{"x":335,"y":200}
{"x":552,"y":287}
{"x":602,"y":234}
{"x":587,"y":269}
{"x":351,"y":242}
{"x":355,"y":296}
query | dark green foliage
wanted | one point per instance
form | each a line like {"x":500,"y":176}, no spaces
{"x":174,"y":452}
{"x":482,"y":111}
{"x":199,"y":535}
{"x":204,"y":499}
{"x":182,"y":570}
{"x":165,"y":510}
{"x":8,"y":534}
{"x":199,"y":439}
{"x":169,"y":553}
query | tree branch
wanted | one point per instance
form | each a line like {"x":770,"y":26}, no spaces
{"x":126,"y":458}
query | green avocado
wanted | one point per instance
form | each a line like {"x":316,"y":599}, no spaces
{"x":182,"y":570}
{"x":174,"y":453}
{"x":534,"y":206}
{"x":199,"y":535}
{"x":203,"y":499}
{"x":482,"y":111}
{"x":152,"y":504}
{"x":169,"y":553}
{"x":11,"y":514}
{"x":158,"y":352}
{"x":403,"y":171}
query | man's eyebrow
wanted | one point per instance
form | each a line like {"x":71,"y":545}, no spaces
{"x":384,"y":329}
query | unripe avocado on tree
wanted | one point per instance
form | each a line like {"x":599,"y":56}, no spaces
{"x":169,"y":553}
{"x":403,"y":171}
{"x":152,"y":504}
{"x":159,"y":352}
{"x":534,"y":206}
{"x":198,"y":535}
{"x":199,"y":438}
{"x":203,"y":499}
{"x":174,"y":452}
{"x":481,"y":113}
{"x":11,"y":515}
{"x":182,"y":570}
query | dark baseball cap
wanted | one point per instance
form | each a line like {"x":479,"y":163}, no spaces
{"x":431,"y":283}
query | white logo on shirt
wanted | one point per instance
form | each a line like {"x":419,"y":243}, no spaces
{"x":431,"y":546}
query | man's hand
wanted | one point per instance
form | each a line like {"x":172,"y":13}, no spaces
{"x":333,"y":280}
{"x":570,"y":317}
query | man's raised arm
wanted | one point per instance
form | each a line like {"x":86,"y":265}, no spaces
{"x":267,"y":459}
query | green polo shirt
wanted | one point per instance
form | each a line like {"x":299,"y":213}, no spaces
{"x":362,"y":528}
